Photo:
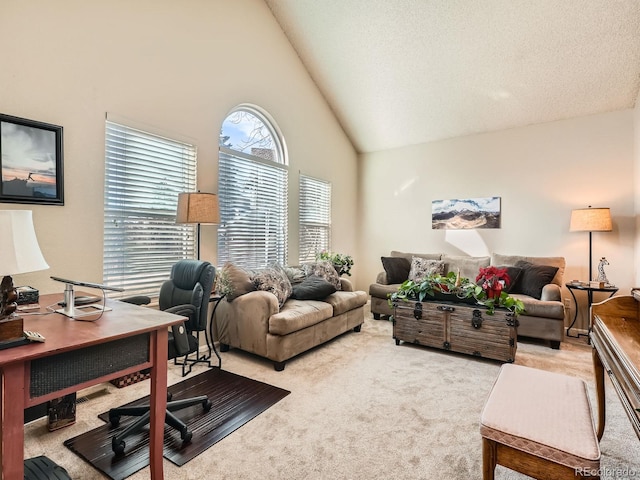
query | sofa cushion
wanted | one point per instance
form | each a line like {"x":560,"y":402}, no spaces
{"x":295,"y":274}
{"x":323,"y":269}
{"x":312,"y":288}
{"x":409,"y":256}
{"x":469,"y":266}
{"x":498,"y":259}
{"x":298,"y":314}
{"x":346,"y":301}
{"x":274,"y":280}
{"x":422,"y":268}
{"x":396,"y":268}
{"x":234,"y":281}
{"x":533,"y":278}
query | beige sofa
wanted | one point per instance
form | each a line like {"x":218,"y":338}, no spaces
{"x":543,"y":317}
{"x":255,"y":323}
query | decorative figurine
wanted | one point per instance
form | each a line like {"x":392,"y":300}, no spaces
{"x":602,"y":277}
{"x":8,"y":297}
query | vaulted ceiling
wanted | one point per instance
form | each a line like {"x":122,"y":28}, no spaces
{"x":402,"y":72}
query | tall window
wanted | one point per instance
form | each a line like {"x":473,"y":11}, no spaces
{"x":252,"y":190}
{"x":144,"y":175}
{"x":315,"y":217}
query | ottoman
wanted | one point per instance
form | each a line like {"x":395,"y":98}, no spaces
{"x":539,"y":423}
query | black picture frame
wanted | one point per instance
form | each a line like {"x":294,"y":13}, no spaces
{"x":30,"y":162}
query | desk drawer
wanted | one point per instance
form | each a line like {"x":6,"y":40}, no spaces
{"x":67,"y":369}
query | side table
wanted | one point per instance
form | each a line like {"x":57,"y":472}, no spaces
{"x":584,"y":287}
{"x":217,"y":299}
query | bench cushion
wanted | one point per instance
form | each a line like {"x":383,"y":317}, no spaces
{"x":542,"y":413}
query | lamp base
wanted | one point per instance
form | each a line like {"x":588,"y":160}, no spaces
{"x":11,"y":328}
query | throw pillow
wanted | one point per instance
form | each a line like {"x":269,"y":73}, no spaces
{"x":533,"y":278}
{"x":312,"y":288}
{"x":397,"y":269}
{"x":324,"y":270}
{"x":514,"y":276}
{"x":274,"y":280}
{"x":295,"y":274}
{"x":422,"y":268}
{"x":233,"y":281}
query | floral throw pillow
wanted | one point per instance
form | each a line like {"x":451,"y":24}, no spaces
{"x":422,"y":268}
{"x":323,"y":270}
{"x":274,"y":280}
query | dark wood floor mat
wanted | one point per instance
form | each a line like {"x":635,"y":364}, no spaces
{"x":235,"y":399}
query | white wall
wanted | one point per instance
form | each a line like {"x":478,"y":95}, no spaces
{"x":541,"y":172}
{"x":178,"y":67}
{"x":637,"y":191}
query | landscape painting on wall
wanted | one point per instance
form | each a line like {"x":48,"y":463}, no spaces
{"x":30,"y":161}
{"x":457,"y":214}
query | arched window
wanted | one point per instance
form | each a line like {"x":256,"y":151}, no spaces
{"x":252,"y":191}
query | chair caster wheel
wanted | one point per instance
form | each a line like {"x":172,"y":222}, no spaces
{"x":206,"y":405}
{"x":186,"y":436}
{"x":115,"y":420}
{"x":118,"y":447}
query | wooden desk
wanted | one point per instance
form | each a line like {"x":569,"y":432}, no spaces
{"x":78,"y":354}
{"x":616,"y":349}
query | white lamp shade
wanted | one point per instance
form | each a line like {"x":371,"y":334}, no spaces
{"x":19,"y":249}
{"x":591,"y":220}
{"x":198,"y":207}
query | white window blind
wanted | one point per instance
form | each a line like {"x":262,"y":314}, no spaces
{"x":315,"y":217}
{"x":144,"y":174}
{"x":252,"y":193}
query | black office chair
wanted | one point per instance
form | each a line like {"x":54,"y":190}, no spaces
{"x":186,"y":293}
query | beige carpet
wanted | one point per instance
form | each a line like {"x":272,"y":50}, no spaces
{"x":360,"y":408}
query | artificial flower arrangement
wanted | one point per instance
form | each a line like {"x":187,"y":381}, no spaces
{"x":488,"y":291}
{"x":341,"y":262}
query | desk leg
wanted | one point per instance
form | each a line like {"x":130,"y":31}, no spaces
{"x":598,"y":369}
{"x":12,"y":426}
{"x":158,"y":404}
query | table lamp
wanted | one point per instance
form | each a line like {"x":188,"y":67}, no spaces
{"x":19,"y":253}
{"x":590,"y":220}
{"x":198,"y":208}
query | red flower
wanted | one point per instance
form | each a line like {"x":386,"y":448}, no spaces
{"x":493,"y":280}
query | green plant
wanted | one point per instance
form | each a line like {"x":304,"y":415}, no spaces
{"x":456,"y":286}
{"x":341,"y":262}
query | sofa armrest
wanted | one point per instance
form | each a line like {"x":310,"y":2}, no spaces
{"x":346,"y":285}
{"x":244,"y":322}
{"x":551,"y":293}
{"x":382,"y":278}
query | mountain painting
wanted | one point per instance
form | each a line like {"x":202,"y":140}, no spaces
{"x":456,"y":214}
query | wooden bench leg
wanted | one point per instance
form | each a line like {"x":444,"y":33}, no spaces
{"x":488,"y":459}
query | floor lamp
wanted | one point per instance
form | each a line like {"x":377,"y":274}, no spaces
{"x":590,"y":220}
{"x":199,"y":208}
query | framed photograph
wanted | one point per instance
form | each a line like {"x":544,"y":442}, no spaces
{"x":463,"y":214}
{"x":30,"y":162}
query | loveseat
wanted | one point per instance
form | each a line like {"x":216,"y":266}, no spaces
{"x":281,"y":322}
{"x":538,"y":285}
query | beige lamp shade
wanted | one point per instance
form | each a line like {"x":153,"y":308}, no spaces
{"x":198,"y":207}
{"x":591,"y":220}
{"x":19,"y":248}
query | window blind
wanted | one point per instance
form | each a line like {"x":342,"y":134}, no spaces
{"x":252,"y":193}
{"x":315,"y":217}
{"x":144,"y":173}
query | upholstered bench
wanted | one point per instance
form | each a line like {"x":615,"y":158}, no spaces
{"x":539,"y":423}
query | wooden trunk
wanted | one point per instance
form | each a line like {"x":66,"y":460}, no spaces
{"x":457,"y":327}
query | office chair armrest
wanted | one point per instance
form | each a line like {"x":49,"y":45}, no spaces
{"x":180,"y":335}
{"x":137,"y":300}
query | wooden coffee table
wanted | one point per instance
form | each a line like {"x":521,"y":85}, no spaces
{"x":457,"y":327}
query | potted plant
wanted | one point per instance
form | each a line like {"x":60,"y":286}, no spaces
{"x":453,"y":287}
{"x":341,"y":262}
